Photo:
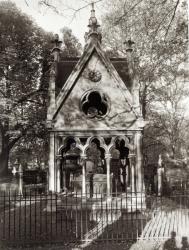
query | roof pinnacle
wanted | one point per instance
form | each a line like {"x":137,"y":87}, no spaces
{"x":93,"y":26}
{"x":56,"y":48}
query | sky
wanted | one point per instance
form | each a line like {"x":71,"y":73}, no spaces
{"x":51,"y":21}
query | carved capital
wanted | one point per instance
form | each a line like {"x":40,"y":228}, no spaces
{"x":131,"y":156}
{"x":58,"y":157}
{"x":139,"y":132}
{"x":53,"y":70}
{"x":49,"y":124}
{"x":83,"y":156}
{"x":83,"y":159}
{"x":58,"y":160}
{"x":108,"y":156}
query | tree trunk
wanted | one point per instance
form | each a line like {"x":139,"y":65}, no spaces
{"x":6,"y":146}
{"x":4,"y":157}
{"x":4,"y":154}
{"x":143,"y":101}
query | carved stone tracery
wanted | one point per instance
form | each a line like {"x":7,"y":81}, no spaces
{"x":91,"y":159}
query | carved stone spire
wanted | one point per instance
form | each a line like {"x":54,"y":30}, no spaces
{"x":133,"y":74}
{"x":94,"y":32}
{"x":53,"y":73}
{"x":56,"y":48}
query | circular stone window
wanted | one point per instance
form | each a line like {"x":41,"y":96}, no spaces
{"x":94,"y":104}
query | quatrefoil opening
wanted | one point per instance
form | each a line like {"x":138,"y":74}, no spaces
{"x":94,"y":104}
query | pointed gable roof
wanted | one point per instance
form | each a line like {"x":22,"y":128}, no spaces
{"x":67,"y":64}
{"x":93,"y":46}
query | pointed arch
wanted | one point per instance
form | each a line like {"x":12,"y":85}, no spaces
{"x":65,"y":143}
{"x":101,"y":141}
{"x":120,"y":137}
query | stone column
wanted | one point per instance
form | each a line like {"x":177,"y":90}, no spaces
{"x":139,"y":170}
{"x":20,"y":183}
{"x":108,"y":158}
{"x":83,"y":162}
{"x":58,"y":166}
{"x":132,"y":158}
{"x":51,"y":163}
{"x":160,"y":172}
{"x":64,"y":177}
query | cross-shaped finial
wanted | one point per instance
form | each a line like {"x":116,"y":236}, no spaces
{"x":92,"y":5}
{"x":129,"y":45}
{"x":93,"y":23}
{"x":56,"y":41}
{"x":92,"y":10}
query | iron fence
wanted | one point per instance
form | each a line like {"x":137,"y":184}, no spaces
{"x":71,"y":218}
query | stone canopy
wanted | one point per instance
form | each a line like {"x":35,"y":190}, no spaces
{"x":94,"y":100}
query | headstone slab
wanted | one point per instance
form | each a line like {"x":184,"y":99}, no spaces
{"x":98,"y":181}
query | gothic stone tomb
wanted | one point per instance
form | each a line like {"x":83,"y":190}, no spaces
{"x":94,"y":120}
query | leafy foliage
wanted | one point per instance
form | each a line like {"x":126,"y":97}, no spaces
{"x":159,"y":30}
{"x":71,"y":45}
{"x":24,"y":60}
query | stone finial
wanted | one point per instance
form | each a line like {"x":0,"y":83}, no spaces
{"x":129,"y":49}
{"x":56,"y":41}
{"x":56,"y":48}
{"x":93,"y":25}
{"x":129,"y":45}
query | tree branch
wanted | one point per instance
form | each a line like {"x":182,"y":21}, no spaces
{"x":12,"y":143}
{"x":26,"y":3}
{"x":47,"y":4}
{"x":54,"y":8}
{"x":25,"y":98}
{"x":81,"y":8}
{"x":125,"y":13}
{"x":173,"y":16}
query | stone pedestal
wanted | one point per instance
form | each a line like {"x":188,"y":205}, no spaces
{"x":98,"y":183}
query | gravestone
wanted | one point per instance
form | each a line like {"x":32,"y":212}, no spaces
{"x":99,"y":185}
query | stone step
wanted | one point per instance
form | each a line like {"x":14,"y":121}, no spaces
{"x":121,"y":202}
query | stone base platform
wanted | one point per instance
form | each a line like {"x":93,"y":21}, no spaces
{"x":128,"y":202}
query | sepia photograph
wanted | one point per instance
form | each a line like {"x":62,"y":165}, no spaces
{"x":94,"y":125}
